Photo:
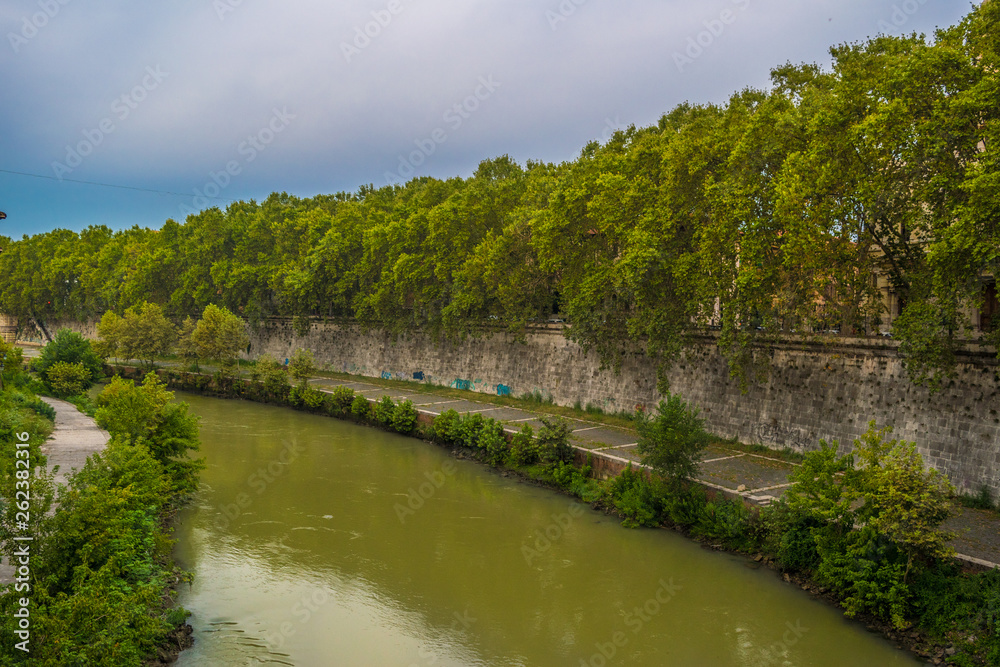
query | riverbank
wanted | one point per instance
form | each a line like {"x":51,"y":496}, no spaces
{"x":727,"y":526}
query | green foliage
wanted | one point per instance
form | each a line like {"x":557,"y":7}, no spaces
{"x":384,"y":409}
{"x":272,"y":376}
{"x":981,"y":500}
{"x":342,"y":398}
{"x":404,"y":417}
{"x":874,"y":524}
{"x":33,"y":403}
{"x":302,"y":364}
{"x":67,"y":379}
{"x":635,"y":498}
{"x":672,"y":442}
{"x":144,"y":333}
{"x":71,"y":348}
{"x":99,"y":573}
{"x":219,"y":334}
{"x":523,"y":449}
{"x":493,"y":440}
{"x":361,"y":408}
{"x":553,"y":440}
{"x":146,"y":416}
{"x":446,"y":427}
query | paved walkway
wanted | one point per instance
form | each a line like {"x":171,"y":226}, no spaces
{"x":757,"y":478}
{"x":76,"y":436}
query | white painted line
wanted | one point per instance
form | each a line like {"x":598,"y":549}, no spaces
{"x":581,"y":430}
{"x":472,"y":412}
{"x":771,"y":488}
{"x":526,"y":419}
{"x":631,"y":444}
{"x":768,"y":458}
{"x":438,"y":403}
{"x":977,"y":561}
{"x":724,"y":458}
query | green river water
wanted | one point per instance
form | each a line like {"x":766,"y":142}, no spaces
{"x":310,"y":546}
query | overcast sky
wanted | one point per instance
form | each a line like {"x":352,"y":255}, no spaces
{"x":245,"y":97}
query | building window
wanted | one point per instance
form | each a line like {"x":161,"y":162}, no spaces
{"x":991,"y":308}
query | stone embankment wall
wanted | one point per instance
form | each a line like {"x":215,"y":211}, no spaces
{"x":820,"y":390}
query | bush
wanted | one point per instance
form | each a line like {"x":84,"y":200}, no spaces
{"x":522,"y":447}
{"x":272,"y":376}
{"x":71,"y":348}
{"x":446,"y":427}
{"x":361,"y":408}
{"x":302,"y":364}
{"x":34,"y":403}
{"x":727,"y":521}
{"x":553,"y":440}
{"x":493,"y":440}
{"x":341,"y":399}
{"x":404,"y":417}
{"x":67,"y":379}
{"x":671,"y":442}
{"x":469,"y":430}
{"x":384,"y":408}
{"x":635,"y":498}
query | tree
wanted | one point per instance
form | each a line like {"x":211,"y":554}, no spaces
{"x":219,"y":335}
{"x":879,"y":512}
{"x":302,"y":364}
{"x":672,"y":441}
{"x":143,"y":333}
{"x":147,"y":416}
{"x":70,"y":347}
{"x":67,"y":379}
{"x":186,"y":349}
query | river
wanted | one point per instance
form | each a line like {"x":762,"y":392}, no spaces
{"x":317,"y":542}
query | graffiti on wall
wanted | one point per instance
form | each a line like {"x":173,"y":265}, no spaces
{"x":503,"y":390}
{"x":419,"y":375}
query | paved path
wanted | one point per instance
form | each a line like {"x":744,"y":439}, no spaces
{"x":75,"y":437}
{"x":757,"y":478}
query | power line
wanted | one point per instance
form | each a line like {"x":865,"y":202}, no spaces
{"x":108,"y":185}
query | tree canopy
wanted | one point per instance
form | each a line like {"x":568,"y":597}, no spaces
{"x":769,"y":213}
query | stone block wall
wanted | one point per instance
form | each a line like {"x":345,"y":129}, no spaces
{"x":820,"y":390}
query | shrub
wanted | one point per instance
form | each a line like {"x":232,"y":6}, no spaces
{"x":635,"y":498}
{"x":470,"y":428}
{"x":313,"y":398}
{"x":361,"y":408}
{"x":522,"y":447}
{"x":34,"y":403}
{"x":384,"y":409}
{"x":447,"y":427}
{"x":272,"y":376}
{"x":672,"y":441}
{"x":302,"y":364}
{"x":67,"y":379}
{"x":493,"y":440}
{"x":71,"y":348}
{"x":341,"y":399}
{"x":404,"y":417}
{"x":553,"y":440}
{"x":725,"y":520}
